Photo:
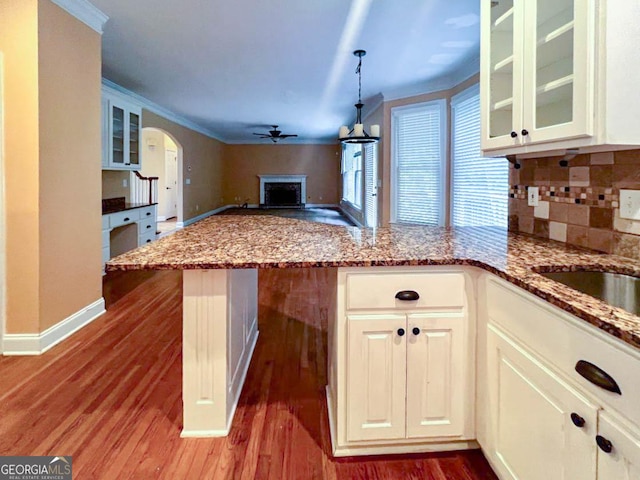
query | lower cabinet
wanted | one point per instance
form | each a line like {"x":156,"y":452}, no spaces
{"x":401,"y":374}
{"x":541,"y":427}
{"x":543,"y":415}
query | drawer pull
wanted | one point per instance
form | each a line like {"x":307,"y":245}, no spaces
{"x":401,"y":332}
{"x":577,"y":420}
{"x":415,"y":331}
{"x":148,"y":213}
{"x":407,"y":295}
{"x":148,"y":241}
{"x":126,"y":219}
{"x":597,"y":376}
{"x":148,"y":226}
{"x":604,"y":444}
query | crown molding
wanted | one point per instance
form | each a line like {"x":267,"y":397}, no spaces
{"x":142,"y":102}
{"x":85,"y":12}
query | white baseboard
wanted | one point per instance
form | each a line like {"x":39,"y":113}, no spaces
{"x":38,"y":343}
{"x":161,"y":218}
{"x":203,"y":216}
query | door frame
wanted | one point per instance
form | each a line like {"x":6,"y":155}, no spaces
{"x":166,"y":169}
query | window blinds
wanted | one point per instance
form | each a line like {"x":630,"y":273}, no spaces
{"x":370,"y":157}
{"x":480,"y":186}
{"x":418,"y":163}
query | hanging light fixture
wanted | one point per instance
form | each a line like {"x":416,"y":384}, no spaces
{"x":358,"y":134}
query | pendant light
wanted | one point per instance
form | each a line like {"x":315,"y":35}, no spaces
{"x":358,"y":134}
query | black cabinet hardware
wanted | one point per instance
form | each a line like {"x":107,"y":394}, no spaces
{"x":407,"y":295}
{"x":148,"y":241}
{"x":577,"y":420}
{"x":525,"y":132}
{"x":401,"y":332}
{"x":126,"y":219}
{"x":148,"y":226}
{"x":148,"y":213}
{"x":415,"y":331}
{"x":604,"y":444}
{"x":597,"y":376}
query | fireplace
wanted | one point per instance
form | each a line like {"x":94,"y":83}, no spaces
{"x":283,"y":191}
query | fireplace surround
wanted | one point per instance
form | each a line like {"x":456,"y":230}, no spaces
{"x":283,"y":191}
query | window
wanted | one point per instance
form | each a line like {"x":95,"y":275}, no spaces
{"x":417,"y":171}
{"x":370,"y":187}
{"x":480,"y":186}
{"x":352,"y":174}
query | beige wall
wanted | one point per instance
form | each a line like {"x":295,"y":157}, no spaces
{"x":243,"y":164}
{"x":386,"y":147}
{"x":52,"y":163}
{"x":19,"y":45}
{"x":112,"y":184}
{"x":202,"y":164}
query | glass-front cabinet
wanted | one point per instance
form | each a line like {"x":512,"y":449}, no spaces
{"x":122,"y":134}
{"x":536,"y":71}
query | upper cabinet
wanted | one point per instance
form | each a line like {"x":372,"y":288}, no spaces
{"x":553,"y":76}
{"x":121,"y":133}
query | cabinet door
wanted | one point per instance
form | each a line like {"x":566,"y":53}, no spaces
{"x":436,"y":376}
{"x":501,"y":73}
{"x":117,"y":141}
{"x":623,"y":461}
{"x":134,"y":139}
{"x":532,"y":434}
{"x":376,"y":377}
{"x":558,"y":75}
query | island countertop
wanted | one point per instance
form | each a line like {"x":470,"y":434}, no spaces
{"x":230,"y":242}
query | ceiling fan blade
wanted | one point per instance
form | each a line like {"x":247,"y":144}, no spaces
{"x":287,"y":135}
{"x":262,"y":135}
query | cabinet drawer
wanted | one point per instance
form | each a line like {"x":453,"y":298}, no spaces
{"x":146,"y":238}
{"x":146,"y":226}
{"x":562,"y":340}
{"x":105,"y":221}
{"x":148,"y":212}
{"x":123,"y":218}
{"x":378,"y":290}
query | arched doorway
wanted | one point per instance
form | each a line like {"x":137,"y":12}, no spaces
{"x":162,"y":158}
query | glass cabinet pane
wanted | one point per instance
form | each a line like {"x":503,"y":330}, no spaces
{"x":554,"y":70}
{"x":501,"y":119}
{"x":117,"y":137}
{"x":134,"y":139}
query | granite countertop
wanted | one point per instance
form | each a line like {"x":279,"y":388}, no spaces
{"x":118,"y":204}
{"x":275,"y":242}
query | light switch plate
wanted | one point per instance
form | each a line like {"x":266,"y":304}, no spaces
{"x":533,"y":196}
{"x":188,"y":181}
{"x":630,"y":204}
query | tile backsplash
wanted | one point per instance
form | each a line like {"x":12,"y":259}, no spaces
{"x":579,"y":204}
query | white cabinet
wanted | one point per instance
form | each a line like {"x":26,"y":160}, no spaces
{"x":619,"y":457}
{"x":542,"y":412}
{"x":553,"y":76}
{"x":122,"y":130}
{"x":401,"y":375}
{"x":531,"y":411}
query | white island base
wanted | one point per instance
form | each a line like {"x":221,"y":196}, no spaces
{"x":219,"y":333}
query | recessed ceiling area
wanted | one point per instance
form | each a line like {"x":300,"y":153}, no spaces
{"x":236,"y":66}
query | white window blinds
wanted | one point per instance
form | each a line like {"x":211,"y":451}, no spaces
{"x":418,"y":169}
{"x":370,"y":199}
{"x":352,"y":174}
{"x":480,"y":186}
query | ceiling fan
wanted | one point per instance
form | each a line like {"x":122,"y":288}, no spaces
{"x":274,"y":135}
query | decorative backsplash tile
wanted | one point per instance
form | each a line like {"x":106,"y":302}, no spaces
{"x":579,"y":204}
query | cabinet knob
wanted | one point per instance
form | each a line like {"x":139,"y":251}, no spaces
{"x":407,"y":295}
{"x":126,"y":219}
{"x":604,"y":444}
{"x":415,"y":331}
{"x":525,"y":132}
{"x":401,"y":332}
{"x":577,"y":420}
{"x":148,"y":213}
{"x":148,"y":226}
{"x":514,"y":134}
{"x":148,"y":241}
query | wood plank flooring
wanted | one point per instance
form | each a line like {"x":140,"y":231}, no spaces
{"x":110,"y":395}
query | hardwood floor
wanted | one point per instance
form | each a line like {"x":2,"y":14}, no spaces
{"x":110,"y":395}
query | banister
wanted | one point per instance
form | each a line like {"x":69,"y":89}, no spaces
{"x":150,"y":180}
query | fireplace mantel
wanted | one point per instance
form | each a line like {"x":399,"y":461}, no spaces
{"x":302,"y":179}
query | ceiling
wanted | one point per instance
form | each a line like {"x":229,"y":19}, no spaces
{"x":238,"y":66}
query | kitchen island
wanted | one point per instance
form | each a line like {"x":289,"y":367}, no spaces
{"x":220,"y":255}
